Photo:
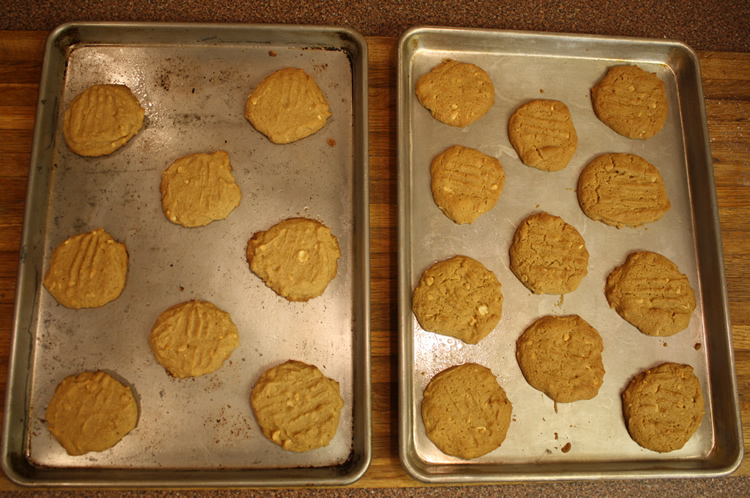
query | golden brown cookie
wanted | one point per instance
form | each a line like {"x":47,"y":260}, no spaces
{"x":458,"y":297}
{"x":287,"y":106}
{"x":631,"y":101}
{"x":562,"y":357}
{"x":297,"y":258}
{"x":456,"y":93}
{"x":198,"y":189}
{"x":649,"y":291}
{"x":296,"y":406}
{"x":102,"y":119}
{"x":87,"y":270}
{"x":466,"y":183}
{"x":193,"y":338}
{"x":543,"y":134}
{"x":663,"y":407}
{"x":91,"y":411}
{"x":465,"y":411}
{"x":548,"y":255}
{"x":622,"y":190}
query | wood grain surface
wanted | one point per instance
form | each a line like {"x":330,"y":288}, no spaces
{"x":726,"y":80}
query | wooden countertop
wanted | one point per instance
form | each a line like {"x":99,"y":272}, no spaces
{"x":726,"y":80}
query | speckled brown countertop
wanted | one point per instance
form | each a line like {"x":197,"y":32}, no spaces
{"x":721,"y":25}
{"x":730,"y":486}
{"x":717,"y":25}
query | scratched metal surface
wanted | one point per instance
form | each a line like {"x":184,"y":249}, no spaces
{"x":193,"y":81}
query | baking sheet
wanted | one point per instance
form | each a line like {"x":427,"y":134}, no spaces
{"x":526,"y":66}
{"x":193,"y":81}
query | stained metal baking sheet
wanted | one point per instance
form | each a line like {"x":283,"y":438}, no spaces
{"x":193,"y":80}
{"x":525,"y":66}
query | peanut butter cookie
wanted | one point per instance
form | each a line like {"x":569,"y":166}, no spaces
{"x":102,"y":119}
{"x":287,"y":106}
{"x":466,"y":183}
{"x":91,"y":411}
{"x":465,"y":411}
{"x":193,"y":338}
{"x":458,"y":297}
{"x":198,"y":189}
{"x":663,"y":407}
{"x":456,"y":93}
{"x":548,"y":255}
{"x":622,"y":190}
{"x":87,"y":270}
{"x":631,"y":101}
{"x":297,"y":258}
{"x":562,"y":357}
{"x":296,"y":406}
{"x":543,"y":134}
{"x":649,"y":291}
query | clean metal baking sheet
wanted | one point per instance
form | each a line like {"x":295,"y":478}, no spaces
{"x":584,"y":439}
{"x":193,"y":81}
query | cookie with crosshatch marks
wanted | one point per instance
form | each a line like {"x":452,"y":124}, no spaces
{"x":456,"y":93}
{"x":562,"y":357}
{"x":198,"y":189}
{"x":543,"y":134}
{"x":87,"y":270}
{"x":548,"y":255}
{"x":466,"y":413}
{"x":91,"y":411}
{"x":631,"y":101}
{"x":193,"y":338}
{"x":296,"y":406}
{"x":466,"y":183}
{"x":663,"y":407}
{"x":101,"y":119}
{"x":287,"y":106}
{"x":297,"y":258}
{"x":458,"y":297}
{"x":651,"y":293}
{"x":622,"y":190}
